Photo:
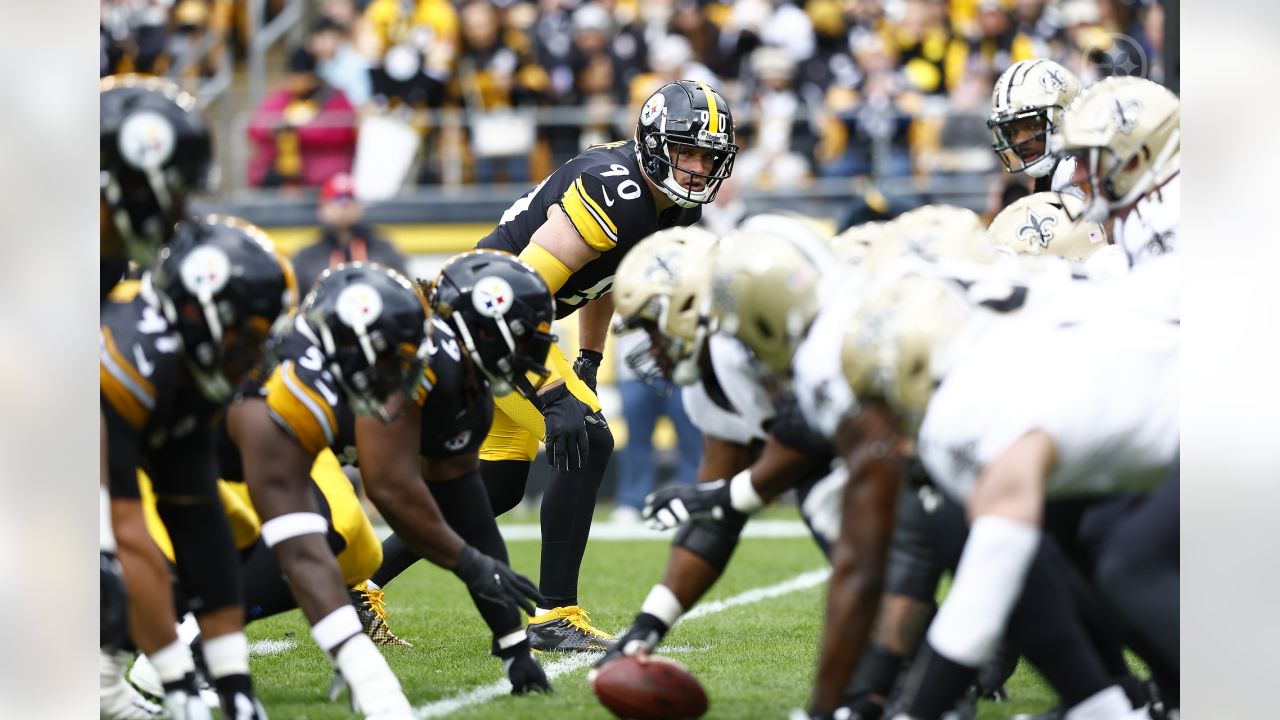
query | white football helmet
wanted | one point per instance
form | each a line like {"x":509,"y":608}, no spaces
{"x":1026,"y":108}
{"x":1125,"y":133}
{"x":663,"y":286}
{"x":1041,"y":224}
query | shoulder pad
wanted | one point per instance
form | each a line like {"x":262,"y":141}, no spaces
{"x":589,"y":204}
{"x":302,"y":403}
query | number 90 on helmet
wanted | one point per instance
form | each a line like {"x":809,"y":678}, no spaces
{"x":685,"y":141}
{"x":502,"y":311}
{"x":371,"y":324}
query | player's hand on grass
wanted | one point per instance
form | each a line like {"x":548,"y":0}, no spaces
{"x":492,"y":580}
{"x":674,"y":505}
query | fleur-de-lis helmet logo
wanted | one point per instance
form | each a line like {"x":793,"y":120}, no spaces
{"x":1053,"y":81}
{"x":1124,"y":114}
{"x":1037,"y":229}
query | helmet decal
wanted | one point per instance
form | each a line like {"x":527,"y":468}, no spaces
{"x":1124,"y":115}
{"x":1053,"y":81}
{"x":652,"y":109}
{"x":1037,"y":229}
{"x":358,"y":305}
{"x":205,"y":271}
{"x":147,"y":140}
{"x":492,"y":296}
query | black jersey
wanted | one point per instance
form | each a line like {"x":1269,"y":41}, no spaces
{"x":456,"y":410}
{"x":603,"y":193}
{"x":153,"y":411}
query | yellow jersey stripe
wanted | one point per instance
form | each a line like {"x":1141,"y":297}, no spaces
{"x":598,"y":212}
{"x":125,"y":371}
{"x":312,"y":401}
{"x":304,"y":424}
{"x":713,"y":116}
{"x":594,"y":232}
{"x":123,"y":400}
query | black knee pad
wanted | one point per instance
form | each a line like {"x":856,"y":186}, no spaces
{"x":465,"y":506}
{"x":913,"y":568}
{"x":600,"y":442}
{"x":204,"y":552}
{"x":711,"y":540}
{"x":504,"y":480}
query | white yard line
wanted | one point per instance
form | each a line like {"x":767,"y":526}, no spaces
{"x":611,"y":531}
{"x":271,"y":647}
{"x":555,"y":669}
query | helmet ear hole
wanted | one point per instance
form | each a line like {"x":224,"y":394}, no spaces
{"x":763,"y":328}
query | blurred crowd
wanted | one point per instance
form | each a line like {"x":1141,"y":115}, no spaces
{"x":819,"y":88}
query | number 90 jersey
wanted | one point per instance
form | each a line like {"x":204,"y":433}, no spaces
{"x":603,"y":193}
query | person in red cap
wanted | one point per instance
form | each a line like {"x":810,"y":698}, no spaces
{"x":343,"y":237}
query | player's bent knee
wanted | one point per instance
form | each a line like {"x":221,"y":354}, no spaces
{"x":362,"y":556}
{"x":207,"y":564}
{"x":711,"y":540}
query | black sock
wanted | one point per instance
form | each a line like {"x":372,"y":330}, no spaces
{"x":465,"y":506}
{"x":230,"y":687}
{"x":396,"y":558}
{"x":934,"y":684}
{"x":187,"y":684}
{"x":504,"y":481}
{"x":567,"y":508}
{"x":266,"y":592}
{"x":876,"y":673}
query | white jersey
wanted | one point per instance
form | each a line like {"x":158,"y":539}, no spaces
{"x":1151,"y":228}
{"x":817,"y":371}
{"x":1061,"y":181}
{"x":1101,"y":381}
{"x":741,"y":408}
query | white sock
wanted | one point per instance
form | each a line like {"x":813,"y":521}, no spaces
{"x":662,"y":604}
{"x":173,"y":661}
{"x":106,"y":538}
{"x":227,"y":655}
{"x":374,"y":688}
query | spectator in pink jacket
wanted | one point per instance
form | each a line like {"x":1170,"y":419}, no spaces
{"x":304,"y":132}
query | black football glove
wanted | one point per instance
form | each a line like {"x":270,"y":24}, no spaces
{"x":586,"y":367}
{"x":525,"y":674}
{"x":641,"y":638}
{"x":492,"y":580}
{"x":566,"y":420}
{"x":113,"y":622}
{"x":674,"y":505}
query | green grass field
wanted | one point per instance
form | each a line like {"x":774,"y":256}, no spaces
{"x":755,"y":657}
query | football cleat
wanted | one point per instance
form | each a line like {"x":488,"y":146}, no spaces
{"x":371,"y":607}
{"x":118,"y":699}
{"x":566,"y":629}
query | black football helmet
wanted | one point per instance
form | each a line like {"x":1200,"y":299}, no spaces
{"x":502,"y":311}
{"x":680,"y":116}
{"x":371,"y":323}
{"x":223,"y":288}
{"x":154,"y":151}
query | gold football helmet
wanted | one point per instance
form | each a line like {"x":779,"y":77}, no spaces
{"x":932,"y":234}
{"x":765,"y":287}
{"x":893,"y":345}
{"x":1125,"y":133}
{"x":1026,"y":108}
{"x":853,"y":245}
{"x":1041,"y":224}
{"x":663,"y":286}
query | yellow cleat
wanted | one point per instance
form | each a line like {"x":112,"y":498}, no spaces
{"x":371,"y":607}
{"x":567,"y":629}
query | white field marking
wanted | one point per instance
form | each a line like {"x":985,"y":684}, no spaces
{"x":271,"y":647}
{"x":611,"y":531}
{"x":485,"y":693}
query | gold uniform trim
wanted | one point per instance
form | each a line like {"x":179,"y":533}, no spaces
{"x":131,"y":394}
{"x":309,"y":417}
{"x":590,"y":220}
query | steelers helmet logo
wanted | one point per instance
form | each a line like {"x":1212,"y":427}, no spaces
{"x":358,"y":305}
{"x":205,"y":271}
{"x":147,"y":140}
{"x":652,"y":109}
{"x":492,"y":297}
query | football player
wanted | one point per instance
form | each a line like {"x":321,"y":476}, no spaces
{"x":574,"y":228}
{"x":490,"y":333}
{"x":994,"y":434}
{"x":172,"y":348}
{"x":664,"y":289}
{"x":1027,"y":104}
{"x":356,"y":347}
{"x":155,"y":150}
{"x":1124,"y":133}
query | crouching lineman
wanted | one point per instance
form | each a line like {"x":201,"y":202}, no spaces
{"x":490,"y":332}
{"x":664,"y":290}
{"x":574,"y":228}
{"x":173,"y":347}
{"x":144,"y":187}
{"x":358,"y":349}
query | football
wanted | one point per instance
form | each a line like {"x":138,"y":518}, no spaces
{"x":656,"y":688}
